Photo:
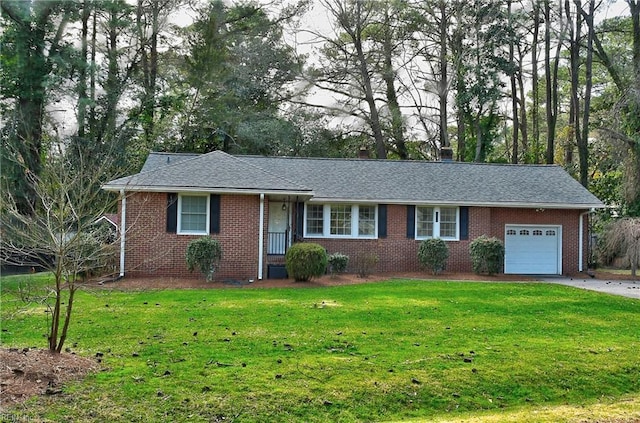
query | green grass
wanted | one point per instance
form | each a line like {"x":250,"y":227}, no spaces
{"x":393,"y":351}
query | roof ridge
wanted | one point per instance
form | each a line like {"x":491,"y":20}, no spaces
{"x":172,"y":153}
{"x":355,"y":159}
{"x":346,"y":159}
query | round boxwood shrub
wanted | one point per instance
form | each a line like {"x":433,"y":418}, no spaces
{"x":204,"y":254}
{"x":305,"y":260}
{"x":433,"y":254}
{"x":338,"y":263}
{"x":487,"y":255}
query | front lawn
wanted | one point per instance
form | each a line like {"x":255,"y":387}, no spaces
{"x":392,"y":351}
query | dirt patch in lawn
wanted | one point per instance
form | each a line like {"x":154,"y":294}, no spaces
{"x":26,"y":372}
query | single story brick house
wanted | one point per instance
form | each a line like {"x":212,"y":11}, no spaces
{"x":258,"y":206}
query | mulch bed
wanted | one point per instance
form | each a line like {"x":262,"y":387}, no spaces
{"x":133,"y":283}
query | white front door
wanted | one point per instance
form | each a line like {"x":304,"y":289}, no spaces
{"x":533,"y":249}
{"x":278,"y":233}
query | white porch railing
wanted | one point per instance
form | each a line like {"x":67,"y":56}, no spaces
{"x":276,"y":243}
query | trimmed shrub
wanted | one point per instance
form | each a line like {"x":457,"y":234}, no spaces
{"x":433,"y":254}
{"x":338,"y":263}
{"x":365,"y":263}
{"x":305,"y":260}
{"x":487,"y":255}
{"x":204,"y":254}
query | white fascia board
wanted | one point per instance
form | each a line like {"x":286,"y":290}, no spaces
{"x":458,"y":203}
{"x":248,"y":191}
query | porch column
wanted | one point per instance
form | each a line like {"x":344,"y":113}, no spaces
{"x":261,"y":239}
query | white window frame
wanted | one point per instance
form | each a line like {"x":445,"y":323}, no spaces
{"x":436,"y":223}
{"x":355,"y":218}
{"x":180,"y":231}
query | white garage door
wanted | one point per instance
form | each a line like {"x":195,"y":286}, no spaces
{"x":533,"y":250}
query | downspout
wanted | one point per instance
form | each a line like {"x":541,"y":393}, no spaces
{"x":261,"y":238}
{"x":581,"y":240}
{"x":123,"y":230}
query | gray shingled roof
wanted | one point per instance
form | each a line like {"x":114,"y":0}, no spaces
{"x":215,"y":171}
{"x":383,"y":181}
{"x":156,"y":160}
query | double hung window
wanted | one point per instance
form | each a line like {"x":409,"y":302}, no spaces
{"x":437,"y":222}
{"x":341,"y":220}
{"x":315,"y":219}
{"x":193,"y":214}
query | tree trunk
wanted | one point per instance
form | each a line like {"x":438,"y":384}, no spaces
{"x":388,"y":75}
{"x":460,"y":110}
{"x":634,"y":8}
{"x":583,"y":141}
{"x":534,"y":81}
{"x":67,"y":317}
{"x":479,"y":157}
{"x":149,"y":64}
{"x":82,"y":72}
{"x":548,"y":89}
{"x":551,"y":77}
{"x":443,"y":85}
{"x":374,"y":118}
{"x":574,"y":69}
{"x":514,"y":94}
{"x":460,"y":131}
{"x":92,"y":79}
{"x":55,"y":313}
{"x":634,"y":171}
{"x":523,"y":108}
{"x":111,"y":86}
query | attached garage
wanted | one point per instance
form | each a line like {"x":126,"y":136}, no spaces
{"x":533,"y":249}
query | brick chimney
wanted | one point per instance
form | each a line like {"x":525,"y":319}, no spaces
{"x":363,"y":153}
{"x":446,"y":154}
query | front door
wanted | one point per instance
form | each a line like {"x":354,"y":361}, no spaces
{"x":278,"y":231}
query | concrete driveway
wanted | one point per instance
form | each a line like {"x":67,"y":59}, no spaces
{"x":629,"y":289}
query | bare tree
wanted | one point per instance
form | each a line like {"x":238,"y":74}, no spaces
{"x":60,"y":234}
{"x":622,"y":239}
{"x":349,"y":65}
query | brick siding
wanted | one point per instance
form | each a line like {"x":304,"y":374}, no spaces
{"x":397,"y":253}
{"x":150,"y":250}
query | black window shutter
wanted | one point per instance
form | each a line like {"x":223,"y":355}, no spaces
{"x":172,"y":212}
{"x":299,"y":220}
{"x":464,"y":222}
{"x":382,"y":220}
{"x":411,"y":221}
{"x":214,"y":214}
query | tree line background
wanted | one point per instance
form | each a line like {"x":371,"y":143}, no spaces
{"x":100,"y":83}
